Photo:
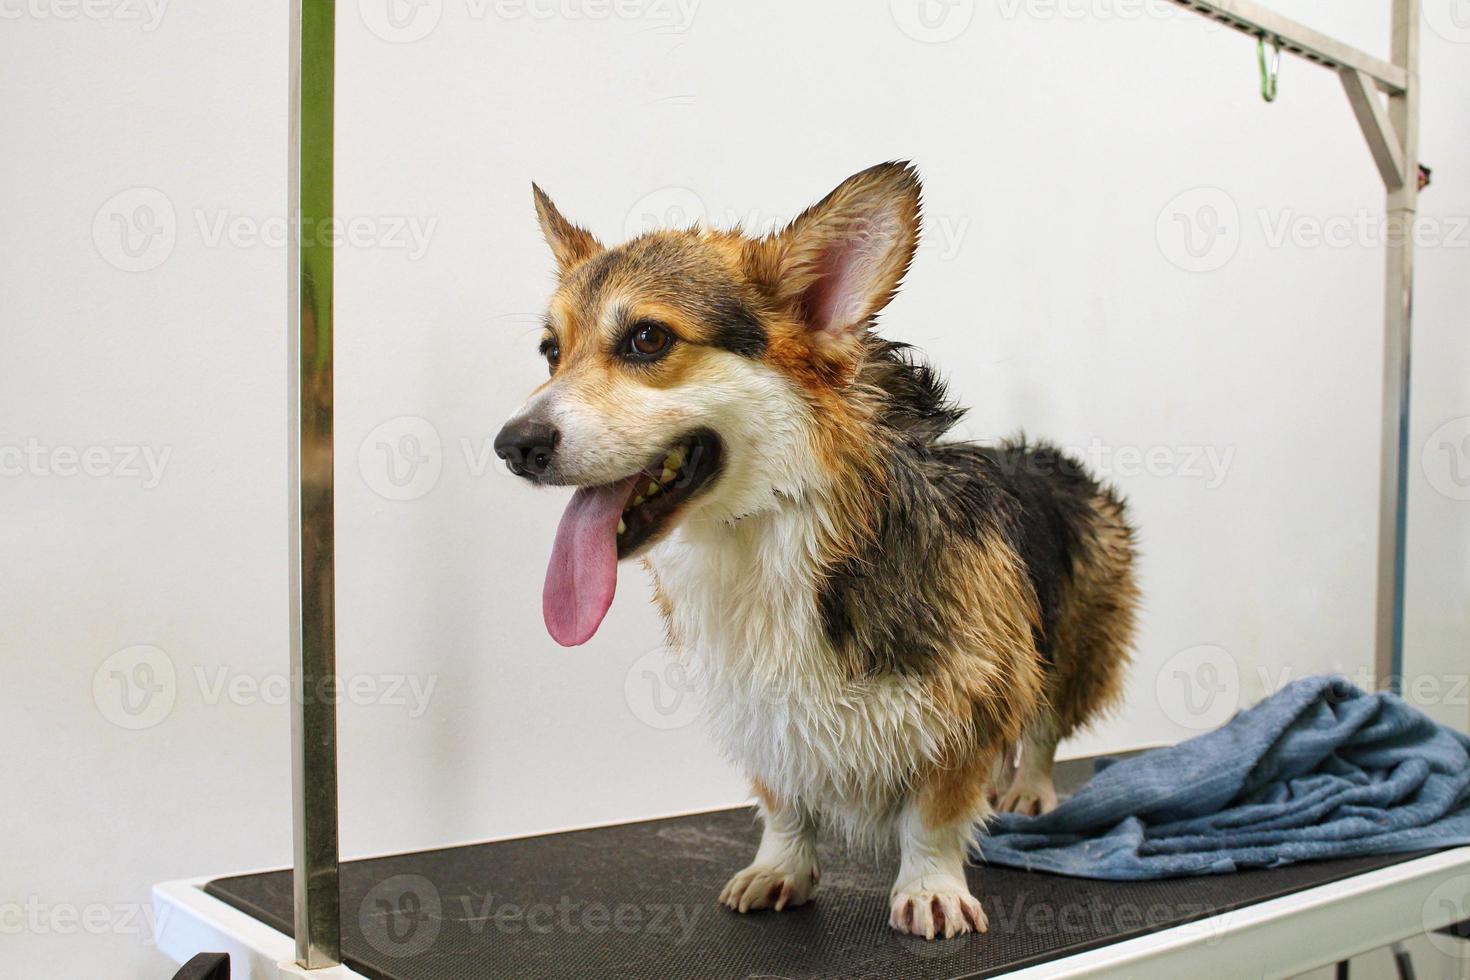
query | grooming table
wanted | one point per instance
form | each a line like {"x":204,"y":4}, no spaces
{"x":638,"y":900}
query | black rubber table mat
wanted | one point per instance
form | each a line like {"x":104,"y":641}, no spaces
{"x":639,"y":900}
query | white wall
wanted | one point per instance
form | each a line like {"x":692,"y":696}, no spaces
{"x":1055,"y":141}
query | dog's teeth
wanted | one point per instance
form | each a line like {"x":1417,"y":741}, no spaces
{"x":674,"y":460}
{"x":622,"y":527}
{"x":668,"y":474}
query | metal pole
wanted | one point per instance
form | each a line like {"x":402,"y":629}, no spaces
{"x":1402,"y":203}
{"x":312,"y":599}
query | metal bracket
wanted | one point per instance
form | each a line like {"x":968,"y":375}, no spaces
{"x":1384,"y":141}
{"x":1258,"y":21}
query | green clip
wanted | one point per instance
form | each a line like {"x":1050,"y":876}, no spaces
{"x":1268,"y":75}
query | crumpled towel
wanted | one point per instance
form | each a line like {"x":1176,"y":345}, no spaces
{"x":1318,"y":770}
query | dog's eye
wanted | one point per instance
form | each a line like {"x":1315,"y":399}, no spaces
{"x":551,"y":350}
{"x":647,"y":340}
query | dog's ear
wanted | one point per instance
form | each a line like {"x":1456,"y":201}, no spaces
{"x":841,"y":260}
{"x":571,"y":244}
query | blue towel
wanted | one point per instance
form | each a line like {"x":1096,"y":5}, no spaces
{"x":1318,"y":770}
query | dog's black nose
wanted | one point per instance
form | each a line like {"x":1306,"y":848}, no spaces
{"x":526,"y":446}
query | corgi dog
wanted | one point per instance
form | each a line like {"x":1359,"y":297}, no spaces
{"x":880,"y":620}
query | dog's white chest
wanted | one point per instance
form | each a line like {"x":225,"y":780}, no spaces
{"x":744,"y":609}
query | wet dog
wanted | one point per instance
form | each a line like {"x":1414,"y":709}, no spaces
{"x":880,"y":620}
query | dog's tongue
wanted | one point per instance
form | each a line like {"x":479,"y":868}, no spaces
{"x":583,"y":574}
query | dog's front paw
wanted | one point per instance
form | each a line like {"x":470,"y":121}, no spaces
{"x":762,"y":888}
{"x":935,"y":907}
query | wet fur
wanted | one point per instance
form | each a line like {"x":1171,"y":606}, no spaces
{"x":904,"y":619}
{"x":876,"y":615}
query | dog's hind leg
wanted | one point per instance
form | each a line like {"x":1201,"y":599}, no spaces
{"x":1094,"y":632}
{"x":1030,"y":790}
